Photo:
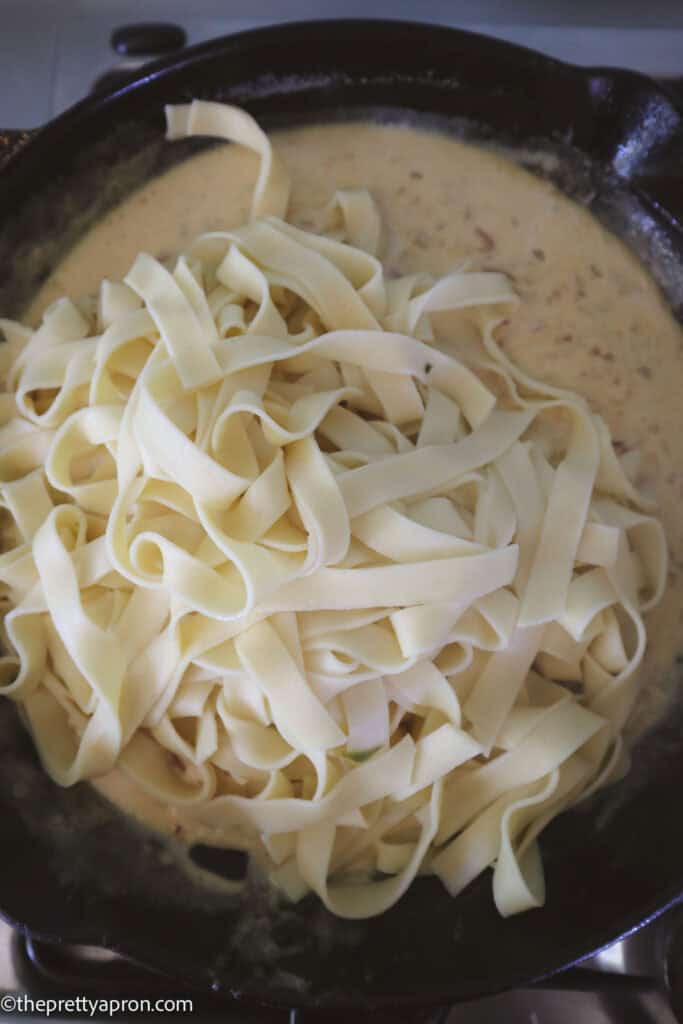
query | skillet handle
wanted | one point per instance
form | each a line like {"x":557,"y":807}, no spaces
{"x":12,"y":141}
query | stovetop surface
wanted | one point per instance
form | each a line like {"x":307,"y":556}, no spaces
{"x":52,"y":50}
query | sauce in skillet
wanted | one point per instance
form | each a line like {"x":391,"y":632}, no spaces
{"x":591,"y":318}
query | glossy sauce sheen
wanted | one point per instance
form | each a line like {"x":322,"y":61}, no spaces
{"x":591,"y":318}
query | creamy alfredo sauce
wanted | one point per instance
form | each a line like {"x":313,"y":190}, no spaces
{"x":591,"y":318}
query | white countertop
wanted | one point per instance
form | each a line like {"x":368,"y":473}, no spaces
{"x":51,"y":50}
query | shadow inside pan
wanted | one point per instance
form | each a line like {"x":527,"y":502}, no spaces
{"x":227,"y":864}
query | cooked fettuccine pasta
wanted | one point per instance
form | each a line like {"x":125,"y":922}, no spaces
{"x":351,"y":603}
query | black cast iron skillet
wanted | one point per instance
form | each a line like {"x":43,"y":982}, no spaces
{"x":70,"y":867}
